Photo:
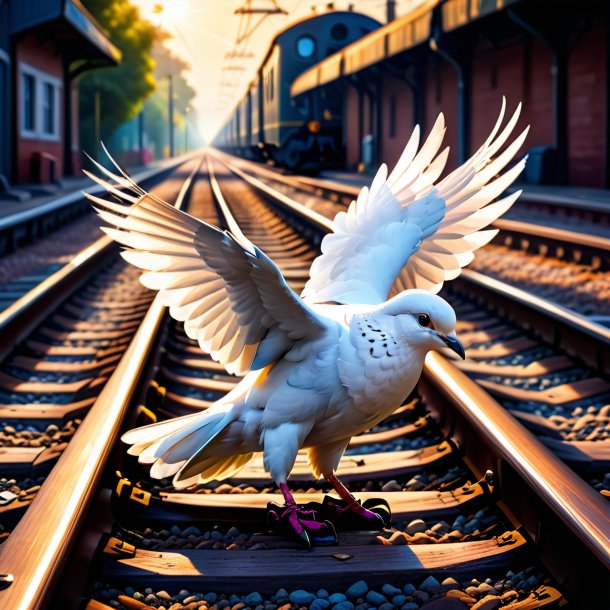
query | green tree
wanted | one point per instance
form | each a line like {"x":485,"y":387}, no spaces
{"x":122,"y":89}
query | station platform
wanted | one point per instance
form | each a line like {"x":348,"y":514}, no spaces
{"x":573,"y":196}
{"x":41,"y":196}
{"x":349,"y":178}
{"x":567,"y":196}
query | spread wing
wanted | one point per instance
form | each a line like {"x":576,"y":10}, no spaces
{"x":410,"y":231}
{"x":231,"y":297}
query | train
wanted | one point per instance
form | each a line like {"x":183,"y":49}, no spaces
{"x":267,"y":124}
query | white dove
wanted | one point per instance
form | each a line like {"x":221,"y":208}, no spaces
{"x":335,"y":361}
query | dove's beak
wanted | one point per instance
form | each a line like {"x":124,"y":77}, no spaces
{"x":453,"y":343}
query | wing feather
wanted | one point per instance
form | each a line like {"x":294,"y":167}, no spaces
{"x":226,"y":291}
{"x":355,"y":266}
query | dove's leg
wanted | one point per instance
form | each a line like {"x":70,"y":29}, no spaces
{"x":281,"y":445}
{"x":364,"y":515}
{"x":348,"y":513}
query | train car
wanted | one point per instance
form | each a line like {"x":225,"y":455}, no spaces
{"x":268,"y":123}
{"x":244,"y":130}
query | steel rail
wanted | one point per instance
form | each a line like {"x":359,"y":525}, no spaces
{"x":581,"y":248}
{"x":315,"y":185}
{"x":314,"y":218}
{"x":20,"y":318}
{"x":594,"y":244}
{"x":575,"y":333}
{"x":572,"y":238}
{"x":38,"y":547}
{"x":225,"y":211}
{"x":346,"y":193}
{"x":554,"y":322}
{"x":66,"y":200}
{"x":560,"y":488}
{"x":565,"y":200}
{"x":568,"y":495}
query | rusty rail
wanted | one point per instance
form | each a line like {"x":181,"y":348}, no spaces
{"x":36,"y":550}
{"x":559,"y":488}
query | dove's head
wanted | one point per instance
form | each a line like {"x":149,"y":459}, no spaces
{"x":426,"y":321}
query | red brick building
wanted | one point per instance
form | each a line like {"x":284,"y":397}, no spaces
{"x":48,"y":44}
{"x":460,"y":57}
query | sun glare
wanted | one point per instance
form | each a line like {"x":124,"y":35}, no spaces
{"x":170,"y":10}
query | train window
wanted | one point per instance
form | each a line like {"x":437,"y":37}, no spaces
{"x":306,"y":46}
{"x":271,"y":84}
{"x":339,"y":31}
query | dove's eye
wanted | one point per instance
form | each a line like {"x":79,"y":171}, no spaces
{"x":423,"y":319}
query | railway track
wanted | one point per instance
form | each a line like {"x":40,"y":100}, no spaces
{"x":555,"y":252}
{"x":37,"y":242}
{"x":544,"y":361}
{"x":483,"y":514}
{"x":535,"y":207}
{"x":59,"y":345}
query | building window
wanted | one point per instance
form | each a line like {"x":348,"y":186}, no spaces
{"x":39,"y":104}
{"x":48,"y":109}
{"x":29,"y":105}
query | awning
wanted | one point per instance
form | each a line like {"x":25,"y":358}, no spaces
{"x":75,"y":32}
{"x":457,"y":13}
{"x":87,"y":26}
{"x":393,"y":38}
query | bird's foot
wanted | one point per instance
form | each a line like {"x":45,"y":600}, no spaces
{"x":301,"y":523}
{"x":374,"y":514}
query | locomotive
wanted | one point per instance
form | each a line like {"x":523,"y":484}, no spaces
{"x":267,"y":123}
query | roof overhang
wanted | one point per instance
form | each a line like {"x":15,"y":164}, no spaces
{"x":456,"y":14}
{"x":69,"y":25}
{"x":88,"y":28}
{"x":395,"y":37}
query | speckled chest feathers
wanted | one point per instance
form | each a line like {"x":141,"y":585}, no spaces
{"x":378,"y":366}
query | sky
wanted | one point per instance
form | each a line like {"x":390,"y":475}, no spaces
{"x":204,"y":34}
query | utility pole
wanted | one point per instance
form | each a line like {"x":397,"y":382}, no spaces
{"x":171,"y":115}
{"x":248,"y":8}
{"x":96,"y":122}
{"x":390,"y":11}
{"x":141,"y":133}
{"x":246,"y":28}
{"x":186,"y":129}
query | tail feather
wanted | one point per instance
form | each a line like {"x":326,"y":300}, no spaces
{"x":146,"y":434}
{"x":204,"y":457}
{"x":202,"y":430}
{"x":169,"y":446}
{"x":162,"y":469}
{"x":213,"y":468}
{"x":172,"y":452}
{"x":158,"y":440}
